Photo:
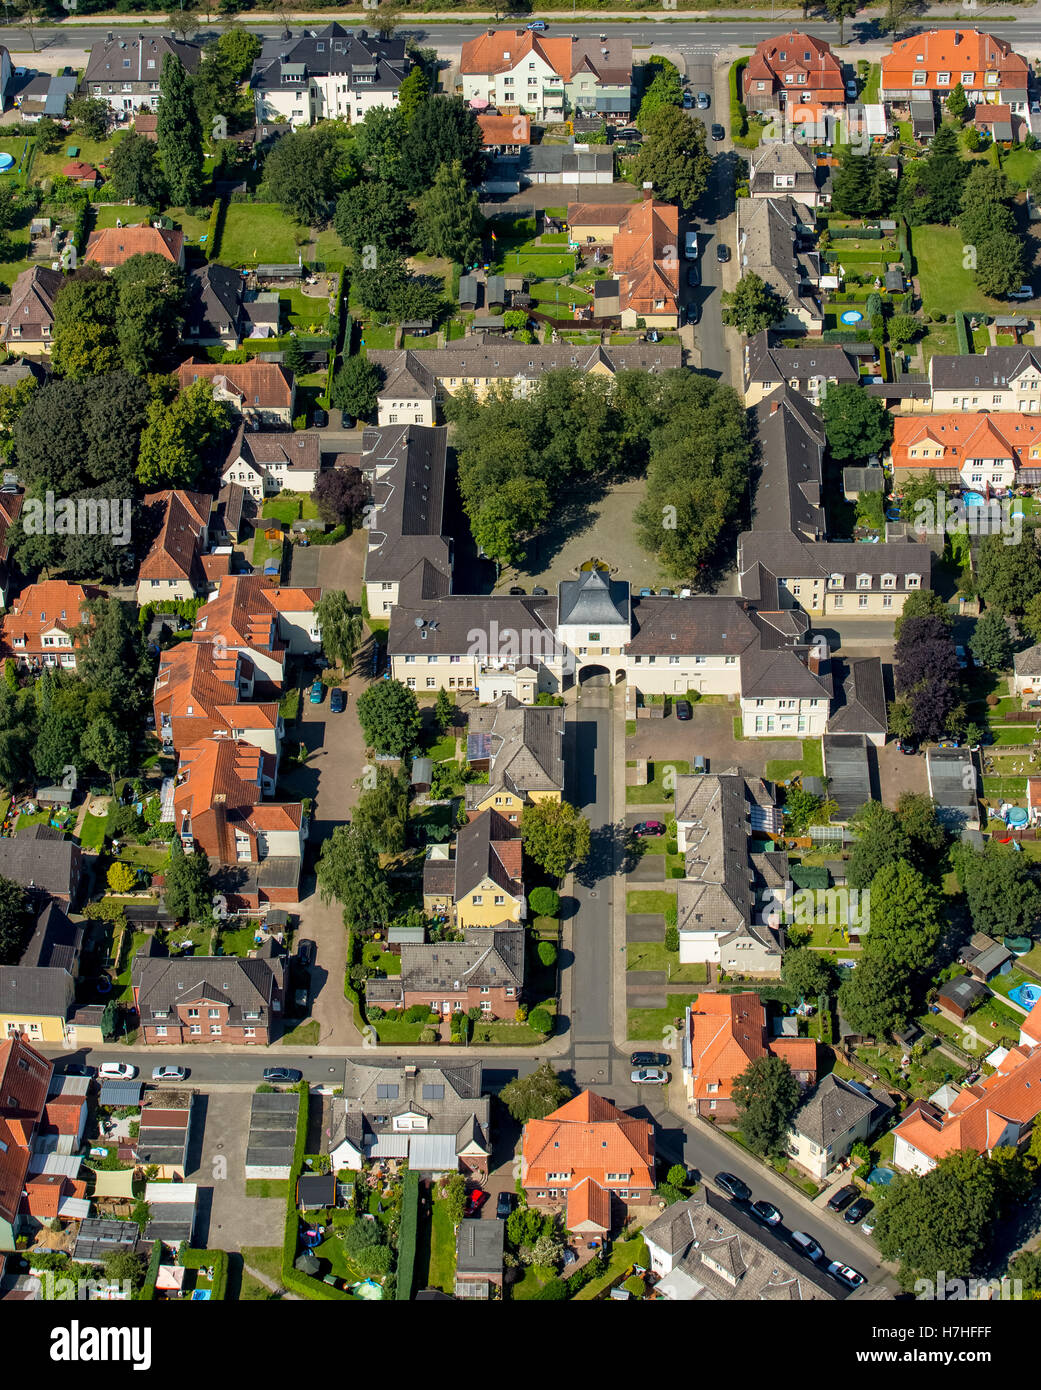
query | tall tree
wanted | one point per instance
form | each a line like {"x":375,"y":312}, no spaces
{"x":880,"y":840}
{"x":179,"y":134}
{"x":376,"y":214}
{"x":662,"y":86}
{"x":348,"y":870}
{"x":940,"y":1220}
{"x":555,"y":836}
{"x":674,"y":156}
{"x":752,"y":306}
{"x":766,"y":1094}
{"x":856,"y":424}
{"x":873,"y":999}
{"x":990,"y":643}
{"x":180,"y":437}
{"x":84,"y":336}
{"x":106,"y":746}
{"x":339,"y":621}
{"x":448,"y":217}
{"x":413,"y":92}
{"x":149,"y":312}
{"x":1008,"y":575}
{"x":440,"y":132}
{"x":1002,"y":894}
{"x":905,"y":920}
{"x":15,"y":922}
{"x":356,"y":387}
{"x":135,"y":172}
{"x":389,"y":717}
{"x":536,"y":1095}
{"x":187,"y":893}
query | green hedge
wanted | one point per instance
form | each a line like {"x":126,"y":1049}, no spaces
{"x":738,"y":111}
{"x":200,"y":1259}
{"x":814,"y":876}
{"x":855,"y":233}
{"x":961,"y":329}
{"x":407,"y":1233}
{"x":327,"y":537}
{"x":147,"y":1293}
{"x":215,"y":230}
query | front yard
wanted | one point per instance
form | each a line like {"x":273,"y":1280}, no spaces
{"x":652,"y":955}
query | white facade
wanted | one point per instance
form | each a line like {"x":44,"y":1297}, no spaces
{"x":763,"y":718}
{"x":529,"y":85}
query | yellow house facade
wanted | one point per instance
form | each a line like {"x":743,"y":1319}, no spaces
{"x":35,"y":1001}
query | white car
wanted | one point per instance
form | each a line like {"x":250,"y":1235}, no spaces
{"x":117,"y":1071}
{"x":845,"y":1275}
{"x":649,"y":1076}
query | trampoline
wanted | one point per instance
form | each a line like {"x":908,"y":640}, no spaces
{"x":6,"y":163}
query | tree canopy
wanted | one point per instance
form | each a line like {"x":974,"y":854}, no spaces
{"x":178,"y":133}
{"x":389,"y":717}
{"x":855,"y":423}
{"x":555,"y":836}
{"x":766,"y":1095}
{"x":536,"y":1095}
{"x":752,"y":305}
{"x":674,"y":156}
{"x":181,"y":435}
{"x":348,"y":869}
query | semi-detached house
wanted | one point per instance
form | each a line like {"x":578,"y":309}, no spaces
{"x":124,"y":72}
{"x":792,"y":69}
{"x":329,"y":74}
{"x":989,"y":453}
{"x":518,"y":70}
{"x":933,"y":63}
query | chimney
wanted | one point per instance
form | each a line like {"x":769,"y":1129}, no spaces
{"x":813,"y":662}
{"x":648,"y":190}
{"x":411,"y":1069}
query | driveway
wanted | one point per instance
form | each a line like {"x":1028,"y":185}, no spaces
{"x":711,"y":733}
{"x":899,"y":773}
{"x":227,"y":1218}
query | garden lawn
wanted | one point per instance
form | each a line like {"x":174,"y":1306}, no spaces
{"x":150,"y":857}
{"x":288,"y":507}
{"x":946,"y":285}
{"x":305,"y":1036}
{"x":652,"y":955}
{"x":662,"y":785}
{"x":92,"y":831}
{"x":108,"y":214}
{"x":622,"y":1256}
{"x":647,"y":1024}
{"x":238,"y":942}
{"x":307,"y":313}
{"x":560,"y":294}
{"x":649,"y":900}
{"x":267,"y":1187}
{"x":378,"y":336}
{"x":96,"y":152}
{"x":1018,"y":165}
{"x":258,"y":232}
{"x":330,"y":249}
{"x":541,"y":264}
{"x":441,"y":1273}
{"x":396,"y":1030}
{"x":265,"y":550}
{"x":811,"y":764}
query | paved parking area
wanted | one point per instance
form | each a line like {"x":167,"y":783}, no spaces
{"x":645,"y":926}
{"x":899,"y":773}
{"x":711,"y":733}
{"x":645,"y":989}
{"x":228,"y":1219}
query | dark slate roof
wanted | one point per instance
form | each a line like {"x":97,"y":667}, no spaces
{"x":477,"y":856}
{"x":831,"y":1111}
{"x":964,"y":992}
{"x":479,"y":1246}
{"x":272,"y":1128}
{"x":487,"y":956}
{"x":995,"y":368}
{"x":411,"y":374}
{"x":108,"y":57}
{"x":40,"y":856}
{"x":689,"y":627}
{"x":34,"y":989}
{"x":870,"y":479}
{"x":334,"y":50}
{"x":214,"y":299}
{"x":791,"y":449}
{"x":408,"y":463}
{"x":523,"y":743}
{"x":594,"y":599}
{"x":778,"y":365}
{"x":241,"y":983}
{"x":459,"y":616}
{"x":96,"y":1238}
{"x":848,"y":772}
{"x":449,"y":1094}
{"x":55,"y":941}
{"x":863,"y":707}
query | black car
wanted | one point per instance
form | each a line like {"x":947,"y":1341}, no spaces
{"x":683,"y":709}
{"x":504,"y":1205}
{"x":282,"y":1074}
{"x":693,"y":314}
{"x":305,"y":950}
{"x":840,"y":1200}
{"x":540,"y":591}
{"x":319,"y":419}
{"x":906,"y":746}
{"x":858,"y":1210}
{"x":694,"y":276}
{"x":74,"y":1069}
{"x":649,"y":1059}
{"x":733,"y":1187}
{"x":718,"y":133}
{"x":765,"y":1212}
{"x":516,"y":589}
{"x":722,"y":253}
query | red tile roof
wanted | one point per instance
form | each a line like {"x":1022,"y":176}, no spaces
{"x":505,"y":130}
{"x":980,"y":1113}
{"x":947,"y":440}
{"x":589,"y":1205}
{"x":219,"y":793}
{"x":112,"y":246}
{"x":646,"y":258}
{"x":196,"y":693}
{"x":951,"y":51}
{"x":727,"y":1031}
{"x":796,"y":55}
{"x":261,"y":385}
{"x":24,"y":1078}
{"x":174,"y":554}
{"x":588,"y":1137}
{"x":52,"y":605}
{"x":502,"y":49}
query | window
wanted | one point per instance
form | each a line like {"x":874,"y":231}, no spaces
{"x":919,"y":79}
{"x":160,"y":1032}
{"x":214,"y":1030}
{"x":193,"y":1013}
{"x":477,"y":899}
{"x":968,"y":78}
{"x":862,"y":602}
{"x":195,"y":1028}
{"x":213,"y":1013}
{"x":943,"y":79}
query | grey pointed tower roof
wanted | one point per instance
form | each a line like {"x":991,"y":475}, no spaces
{"x":594,"y":598}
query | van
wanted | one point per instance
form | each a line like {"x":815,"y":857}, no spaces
{"x":690,"y":246}
{"x":806,"y":1245}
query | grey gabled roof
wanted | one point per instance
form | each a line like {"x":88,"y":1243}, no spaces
{"x":522,"y":743}
{"x":777,"y":365}
{"x":848,"y":772}
{"x":487,"y":956}
{"x":477,"y":855}
{"x":831,"y":1112}
{"x":214,"y":290}
{"x":594,"y":598}
{"x":863,"y":710}
{"x":408,"y":463}
{"x":791,"y":466}
{"x":450,"y":1095}
{"x":241,"y":983}
{"x":41,"y":856}
{"x":26,"y":990}
{"x":411,"y":374}
{"x":108,"y":58}
{"x":333,"y":50}
{"x":55,"y":941}
{"x":997,"y":367}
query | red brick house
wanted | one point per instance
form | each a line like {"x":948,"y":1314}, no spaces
{"x":483,"y":971}
{"x":587,"y":1157}
{"x":24,"y":1078}
{"x":787,"y":70}
{"x":210,"y":999}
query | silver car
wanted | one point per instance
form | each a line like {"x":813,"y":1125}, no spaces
{"x":649,"y":1076}
{"x":169,"y":1073}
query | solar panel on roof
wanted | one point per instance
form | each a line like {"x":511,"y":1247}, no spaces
{"x":478,"y":746}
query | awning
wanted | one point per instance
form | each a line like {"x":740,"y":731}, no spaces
{"x":390,"y":1146}
{"x":478,"y":103}
{"x":115,"y":1183}
{"x":769,"y":818}
{"x":433,"y":1153}
{"x":74,"y":1208}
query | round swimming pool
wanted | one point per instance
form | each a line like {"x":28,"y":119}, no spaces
{"x":6,"y":162}
{"x":972,"y":499}
{"x":1026,"y":996}
{"x":1015,"y":815}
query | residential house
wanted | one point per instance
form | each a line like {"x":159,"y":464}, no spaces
{"x":1030,"y":1028}
{"x":28,"y":318}
{"x":218,"y":808}
{"x":267,"y":621}
{"x":646,"y":264}
{"x":125,"y":72}
{"x":415,"y":383}
{"x":39,"y":629}
{"x":212,"y":1000}
{"x":486,"y":889}
{"x":66,"y":1113}
{"x":176,"y":565}
{"x":808,"y":370}
{"x":998,"y":1111}
{"x":991,"y":453}
{"x":521,"y":749}
{"x":1026,"y":668}
{"x":10,"y":510}
{"x":728,"y":900}
{"x":837,"y":1115}
{"x":234,"y":513}
{"x":274,"y":461}
{"x":775,"y":239}
{"x":710,"y":1250}
{"x":35,"y":1002}
{"x":218,"y":311}
{"x":202,"y":691}
{"x":588,"y":1159}
{"x":330,"y":73}
{"x":263,"y":393}
{"x":519,"y":70}
{"x":41,"y":857}
{"x":56,"y":941}
{"x":861,"y":702}
{"x":406,"y":465}
{"x":483,"y":971}
{"x":933,"y":63}
{"x":793,"y":69}
{"x":784,"y":168}
{"x":594,"y":622}
{"x":952,"y":781}
{"x":722,"y":1034}
{"x":504,"y":134}
{"x":1002,"y":380}
{"x":478,"y":1258}
{"x":24,"y":1079}
{"x":435,"y":1118}
{"x":596,"y":222}
{"x":109,"y":247}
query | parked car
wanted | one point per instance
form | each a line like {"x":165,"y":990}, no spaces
{"x":845,"y":1275}
{"x":1024,"y":292}
{"x":704,"y":101}
{"x":766,"y":1212}
{"x":718,"y":133}
{"x":690,"y":245}
{"x":317,"y":691}
{"x":516,"y":589}
{"x":117,"y":1071}
{"x":904,"y":745}
{"x":693,"y":312}
{"x":851,"y":88}
{"x":683,"y":709}
{"x":722,"y":253}
{"x":539,"y":25}
{"x":857,"y":1210}
{"x":688,"y":101}
{"x":305,"y":951}
{"x":694,"y":276}
{"x":649,"y":1059}
{"x":732,"y":1185}
{"x":840,"y":1200}
{"x":319,"y":418}
{"x":648,"y":827}
{"x":282,"y":1074}
{"x":962,"y":657}
{"x":649,"y":1076}
{"x":169,"y":1073}
{"x":503,"y":1205}
{"x":539,"y":591}
{"x":666,"y":593}
{"x":646,"y":593}
{"x":806,"y":1245}
{"x":337,"y":701}
{"x":868,"y":1226}
{"x":700,"y":764}
{"x":475,"y":1201}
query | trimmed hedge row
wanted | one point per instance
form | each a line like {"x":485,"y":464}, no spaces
{"x":191,"y":1258}
{"x":215,"y":229}
{"x":292,"y":1278}
{"x":855,"y":233}
{"x":961,"y":329}
{"x":147,"y":1293}
{"x":407,"y":1234}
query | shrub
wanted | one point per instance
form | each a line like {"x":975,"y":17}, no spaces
{"x":544,"y":902}
{"x":417,"y":1013}
{"x":635,"y":1285}
{"x":547,"y":953}
{"x":428,"y":1035}
{"x":540,"y":1021}
{"x":520,"y":1014}
{"x":672,"y":938}
{"x":152,"y":1272}
{"x":672,"y":846}
{"x":121,"y":878}
{"x":554,"y":1291}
